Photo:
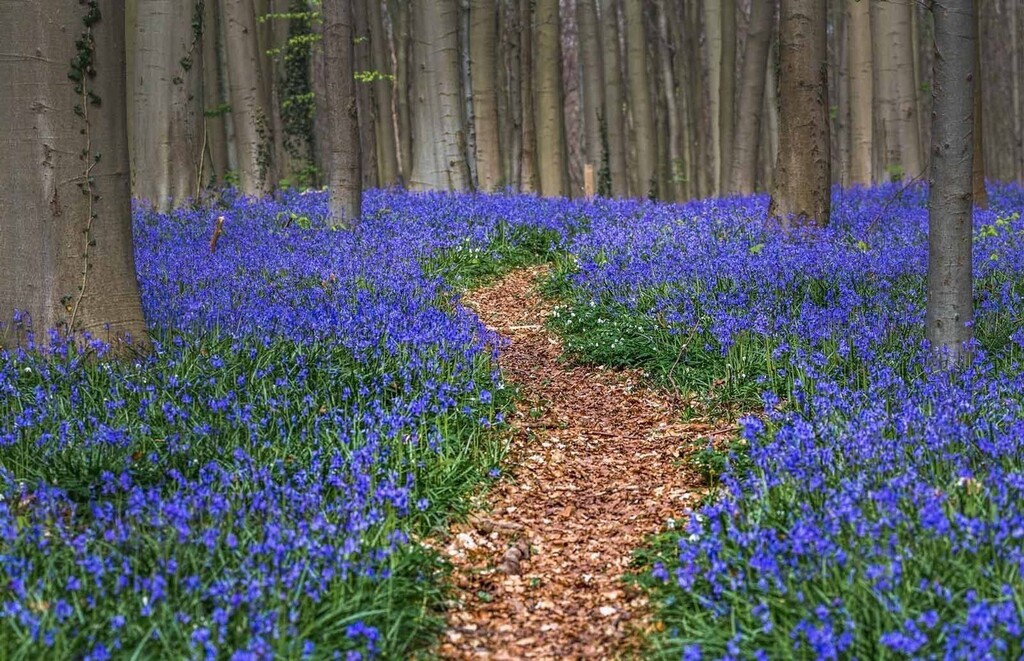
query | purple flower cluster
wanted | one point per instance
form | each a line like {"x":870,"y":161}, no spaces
{"x":250,"y":489}
{"x":878,"y":509}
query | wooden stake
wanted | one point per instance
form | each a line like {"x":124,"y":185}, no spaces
{"x":218,"y":229}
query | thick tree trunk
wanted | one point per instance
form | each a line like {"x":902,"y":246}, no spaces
{"x":551,"y":155}
{"x":614,"y":116}
{"x":249,"y":102}
{"x":215,"y":99}
{"x":727,"y":90}
{"x":593,"y":81}
{"x":950,"y":313}
{"x":861,"y":92}
{"x":65,"y":217}
{"x":387,"y":148}
{"x":340,"y":110}
{"x":438,"y":128}
{"x":803,"y":177}
{"x":748,"y":122}
{"x":640,"y":99}
{"x":166,"y":93}
{"x":483,"y":40}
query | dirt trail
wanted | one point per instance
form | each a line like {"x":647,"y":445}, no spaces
{"x":596,"y":467}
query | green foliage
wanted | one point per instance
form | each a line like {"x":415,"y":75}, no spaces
{"x":466,"y":266}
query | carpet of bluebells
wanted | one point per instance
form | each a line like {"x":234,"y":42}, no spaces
{"x":315,"y":400}
{"x":873,"y":506}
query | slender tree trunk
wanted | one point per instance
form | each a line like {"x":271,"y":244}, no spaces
{"x":902,"y":36}
{"x":771,"y":109}
{"x":483,"y":40}
{"x":400,"y":18}
{"x":166,"y":93}
{"x":340,"y":109}
{"x":640,"y":98}
{"x":572,"y":100}
{"x":593,"y":81}
{"x":703,"y":157}
{"x":505,"y":122}
{"x":684,"y":171}
{"x":748,"y":125}
{"x":366,"y":112}
{"x":466,"y":84}
{"x":950,"y":300}
{"x":673,"y":97}
{"x":514,"y":66}
{"x":215,"y":162}
{"x":529,"y":182}
{"x":387,"y":148}
{"x":551,"y":158}
{"x":978,"y":168}
{"x":713,"y":40}
{"x":803,"y":176}
{"x":614,"y":116}
{"x":727,"y":91}
{"x":861,"y":92}
{"x":65,"y":217}
{"x":439,"y":133}
{"x":249,"y":102}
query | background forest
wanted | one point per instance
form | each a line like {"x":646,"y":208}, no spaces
{"x":670,"y":99}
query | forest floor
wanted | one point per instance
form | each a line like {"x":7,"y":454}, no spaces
{"x":596,"y":465}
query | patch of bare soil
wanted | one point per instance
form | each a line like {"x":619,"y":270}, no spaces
{"x":596,"y":466}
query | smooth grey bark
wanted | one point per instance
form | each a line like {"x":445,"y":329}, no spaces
{"x":528,"y":175}
{"x":65,"y":217}
{"x":483,"y":40}
{"x":248,"y":94}
{"x":673,"y":98}
{"x":438,"y":128}
{"x":949,"y":312}
{"x":513,"y":67}
{"x":551,"y":154}
{"x":640,"y":99}
{"x":215,"y":157}
{"x":727,"y":91}
{"x":339,"y":109}
{"x":400,"y":19}
{"x":387,"y":147}
{"x":366,"y":111}
{"x":165,"y":101}
{"x":614,"y":115}
{"x":803,"y":175}
{"x":748,"y":120}
{"x":713,"y":46}
{"x":978,"y":170}
{"x":593,"y":80}
{"x":861,"y":91}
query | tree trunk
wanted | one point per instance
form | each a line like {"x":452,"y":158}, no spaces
{"x":439,"y":133}
{"x":949,"y":315}
{"x":513,"y":65}
{"x":249,"y":102}
{"x":340,"y":110}
{"x":387,"y":148}
{"x":365,"y":111}
{"x":727,"y":91}
{"x":528,"y":182}
{"x":593,"y":81}
{"x":673,"y":98}
{"x":614,"y":117}
{"x":713,"y":39}
{"x":703,"y":157}
{"x":803,"y":177}
{"x":771,"y":110}
{"x":902,"y":36}
{"x":215,"y":162}
{"x":748,"y":124}
{"x":572,"y":101}
{"x":861,"y":92}
{"x":551,"y":156}
{"x":980,"y":194}
{"x":483,"y":40}
{"x":166,"y":93}
{"x":894,"y":89}
{"x":640,"y":99}
{"x":400,"y":18}
{"x":65,"y":216}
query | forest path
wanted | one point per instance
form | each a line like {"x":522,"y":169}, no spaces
{"x":595,"y":467}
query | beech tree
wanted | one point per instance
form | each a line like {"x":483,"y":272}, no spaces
{"x":65,"y":215}
{"x":340,"y":139}
{"x":551,"y":151}
{"x":803,"y":174}
{"x":751,"y":102}
{"x":949,"y":315}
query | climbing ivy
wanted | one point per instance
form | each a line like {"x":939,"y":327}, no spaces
{"x":81,"y":73}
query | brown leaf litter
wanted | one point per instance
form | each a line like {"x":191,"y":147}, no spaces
{"x":596,"y":465}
